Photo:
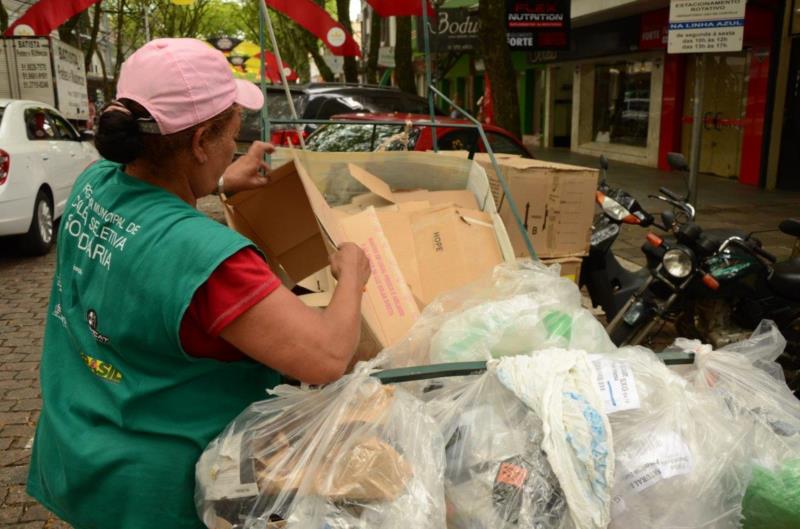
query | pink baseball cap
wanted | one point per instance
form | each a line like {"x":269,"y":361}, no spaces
{"x":183,"y":82}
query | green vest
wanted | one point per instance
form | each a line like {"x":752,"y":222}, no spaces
{"x":126,"y":412}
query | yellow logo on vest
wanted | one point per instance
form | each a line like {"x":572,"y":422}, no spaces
{"x":102,"y":369}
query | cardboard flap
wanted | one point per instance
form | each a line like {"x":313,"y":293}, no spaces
{"x":371,"y":182}
{"x":387,"y":305}
{"x":327,"y":219}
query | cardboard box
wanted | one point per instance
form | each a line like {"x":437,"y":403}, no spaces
{"x":420,"y":243}
{"x":556,"y":202}
{"x":570,"y":267}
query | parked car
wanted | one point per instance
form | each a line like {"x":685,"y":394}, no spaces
{"x":41,"y":155}
{"x":323,"y":100}
{"x":371,"y":137}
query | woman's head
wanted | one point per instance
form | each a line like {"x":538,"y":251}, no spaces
{"x":177,"y":102}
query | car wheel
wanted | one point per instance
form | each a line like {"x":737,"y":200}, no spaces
{"x":41,"y":234}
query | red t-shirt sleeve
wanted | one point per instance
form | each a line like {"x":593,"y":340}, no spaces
{"x":239,"y":283}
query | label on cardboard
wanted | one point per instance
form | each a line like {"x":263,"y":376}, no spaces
{"x":616,"y":384}
{"x":659,"y":456}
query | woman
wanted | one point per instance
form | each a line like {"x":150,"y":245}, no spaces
{"x":163,"y":324}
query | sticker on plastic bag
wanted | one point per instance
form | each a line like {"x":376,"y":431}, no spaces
{"x":659,"y":456}
{"x":615,"y":383}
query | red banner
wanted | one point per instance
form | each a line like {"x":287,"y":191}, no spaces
{"x":46,"y":15}
{"x":272,"y":71}
{"x":316,"y":20}
{"x":400,"y":8}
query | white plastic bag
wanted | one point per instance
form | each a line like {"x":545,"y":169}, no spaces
{"x":354,"y":454}
{"x":558,"y":385}
{"x":497,"y":475}
{"x":520,"y":309}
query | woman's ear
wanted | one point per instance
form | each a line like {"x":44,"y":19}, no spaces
{"x":199,"y":144}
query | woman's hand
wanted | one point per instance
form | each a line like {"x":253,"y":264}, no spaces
{"x":351,"y":261}
{"x":249,"y":171}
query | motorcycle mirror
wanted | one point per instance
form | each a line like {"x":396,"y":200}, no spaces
{"x":677,"y":161}
{"x":668,"y":218}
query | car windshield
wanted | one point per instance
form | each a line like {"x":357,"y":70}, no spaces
{"x":361,"y":138}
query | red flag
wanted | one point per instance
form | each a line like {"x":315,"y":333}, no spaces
{"x":46,"y":15}
{"x":316,"y":20}
{"x":272,"y":71}
{"x":400,"y":8}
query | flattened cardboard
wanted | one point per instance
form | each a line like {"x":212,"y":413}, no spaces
{"x":555,"y":200}
{"x":387,"y":305}
{"x":457,"y":246}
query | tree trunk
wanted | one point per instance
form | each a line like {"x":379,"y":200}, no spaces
{"x":350,"y":63}
{"x":500,"y":69}
{"x":374,"y":47}
{"x":324,"y":70}
{"x":3,"y":18}
{"x":404,"y":66}
{"x":90,"y":50}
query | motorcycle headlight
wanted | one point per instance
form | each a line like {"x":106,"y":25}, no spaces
{"x":614,"y":209}
{"x":678,"y":263}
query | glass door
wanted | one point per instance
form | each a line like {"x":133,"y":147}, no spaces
{"x":724,"y":105}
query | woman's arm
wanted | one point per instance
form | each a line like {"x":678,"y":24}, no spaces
{"x":310,"y":345}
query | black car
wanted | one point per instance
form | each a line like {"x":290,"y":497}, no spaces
{"x":323,"y":100}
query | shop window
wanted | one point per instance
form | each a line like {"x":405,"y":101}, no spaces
{"x":796,"y":18}
{"x":622,"y":103}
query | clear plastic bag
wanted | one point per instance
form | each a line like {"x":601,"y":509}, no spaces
{"x":745,"y":376}
{"x":681,"y":459}
{"x":354,"y":454}
{"x":521,"y":308}
{"x":497,"y":475}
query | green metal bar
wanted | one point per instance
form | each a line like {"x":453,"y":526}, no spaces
{"x":408,"y":374}
{"x":511,"y":203}
{"x":428,"y":73}
{"x":461,"y":369}
{"x":676,"y":358}
{"x":288,"y":121}
{"x":265,"y":125}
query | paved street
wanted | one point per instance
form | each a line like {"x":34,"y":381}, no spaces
{"x":25,"y":287}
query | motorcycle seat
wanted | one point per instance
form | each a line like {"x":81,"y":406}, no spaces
{"x":786,"y":278}
{"x":790,"y":227}
{"x":718,"y":235}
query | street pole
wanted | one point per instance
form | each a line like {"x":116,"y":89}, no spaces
{"x":697,"y":125}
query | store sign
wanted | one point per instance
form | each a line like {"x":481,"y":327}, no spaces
{"x":70,"y":81}
{"x":386,"y":57}
{"x":706,"y":26}
{"x":538,"y":24}
{"x":33,"y":69}
{"x":655,"y":30}
{"x":452,"y":30}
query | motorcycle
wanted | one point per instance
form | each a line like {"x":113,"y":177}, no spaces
{"x":714,"y":285}
{"x":610,"y":283}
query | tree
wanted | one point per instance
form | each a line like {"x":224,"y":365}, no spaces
{"x":499,"y":68}
{"x":403,"y":63}
{"x":374,"y":47}
{"x":3,"y":18}
{"x":350,"y":63}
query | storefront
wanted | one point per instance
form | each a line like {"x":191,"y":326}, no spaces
{"x":789,"y":160}
{"x":632,"y":101}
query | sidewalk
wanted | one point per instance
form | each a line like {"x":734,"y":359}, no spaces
{"x":722,"y":203}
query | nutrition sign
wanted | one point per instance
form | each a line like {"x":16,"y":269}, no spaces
{"x":538,"y":25}
{"x":704,"y":26}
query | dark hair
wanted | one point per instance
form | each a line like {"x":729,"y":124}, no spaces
{"x":118,"y":137}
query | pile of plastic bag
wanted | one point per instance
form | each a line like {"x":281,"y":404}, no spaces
{"x":562,"y":431}
{"x":352,"y":455}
